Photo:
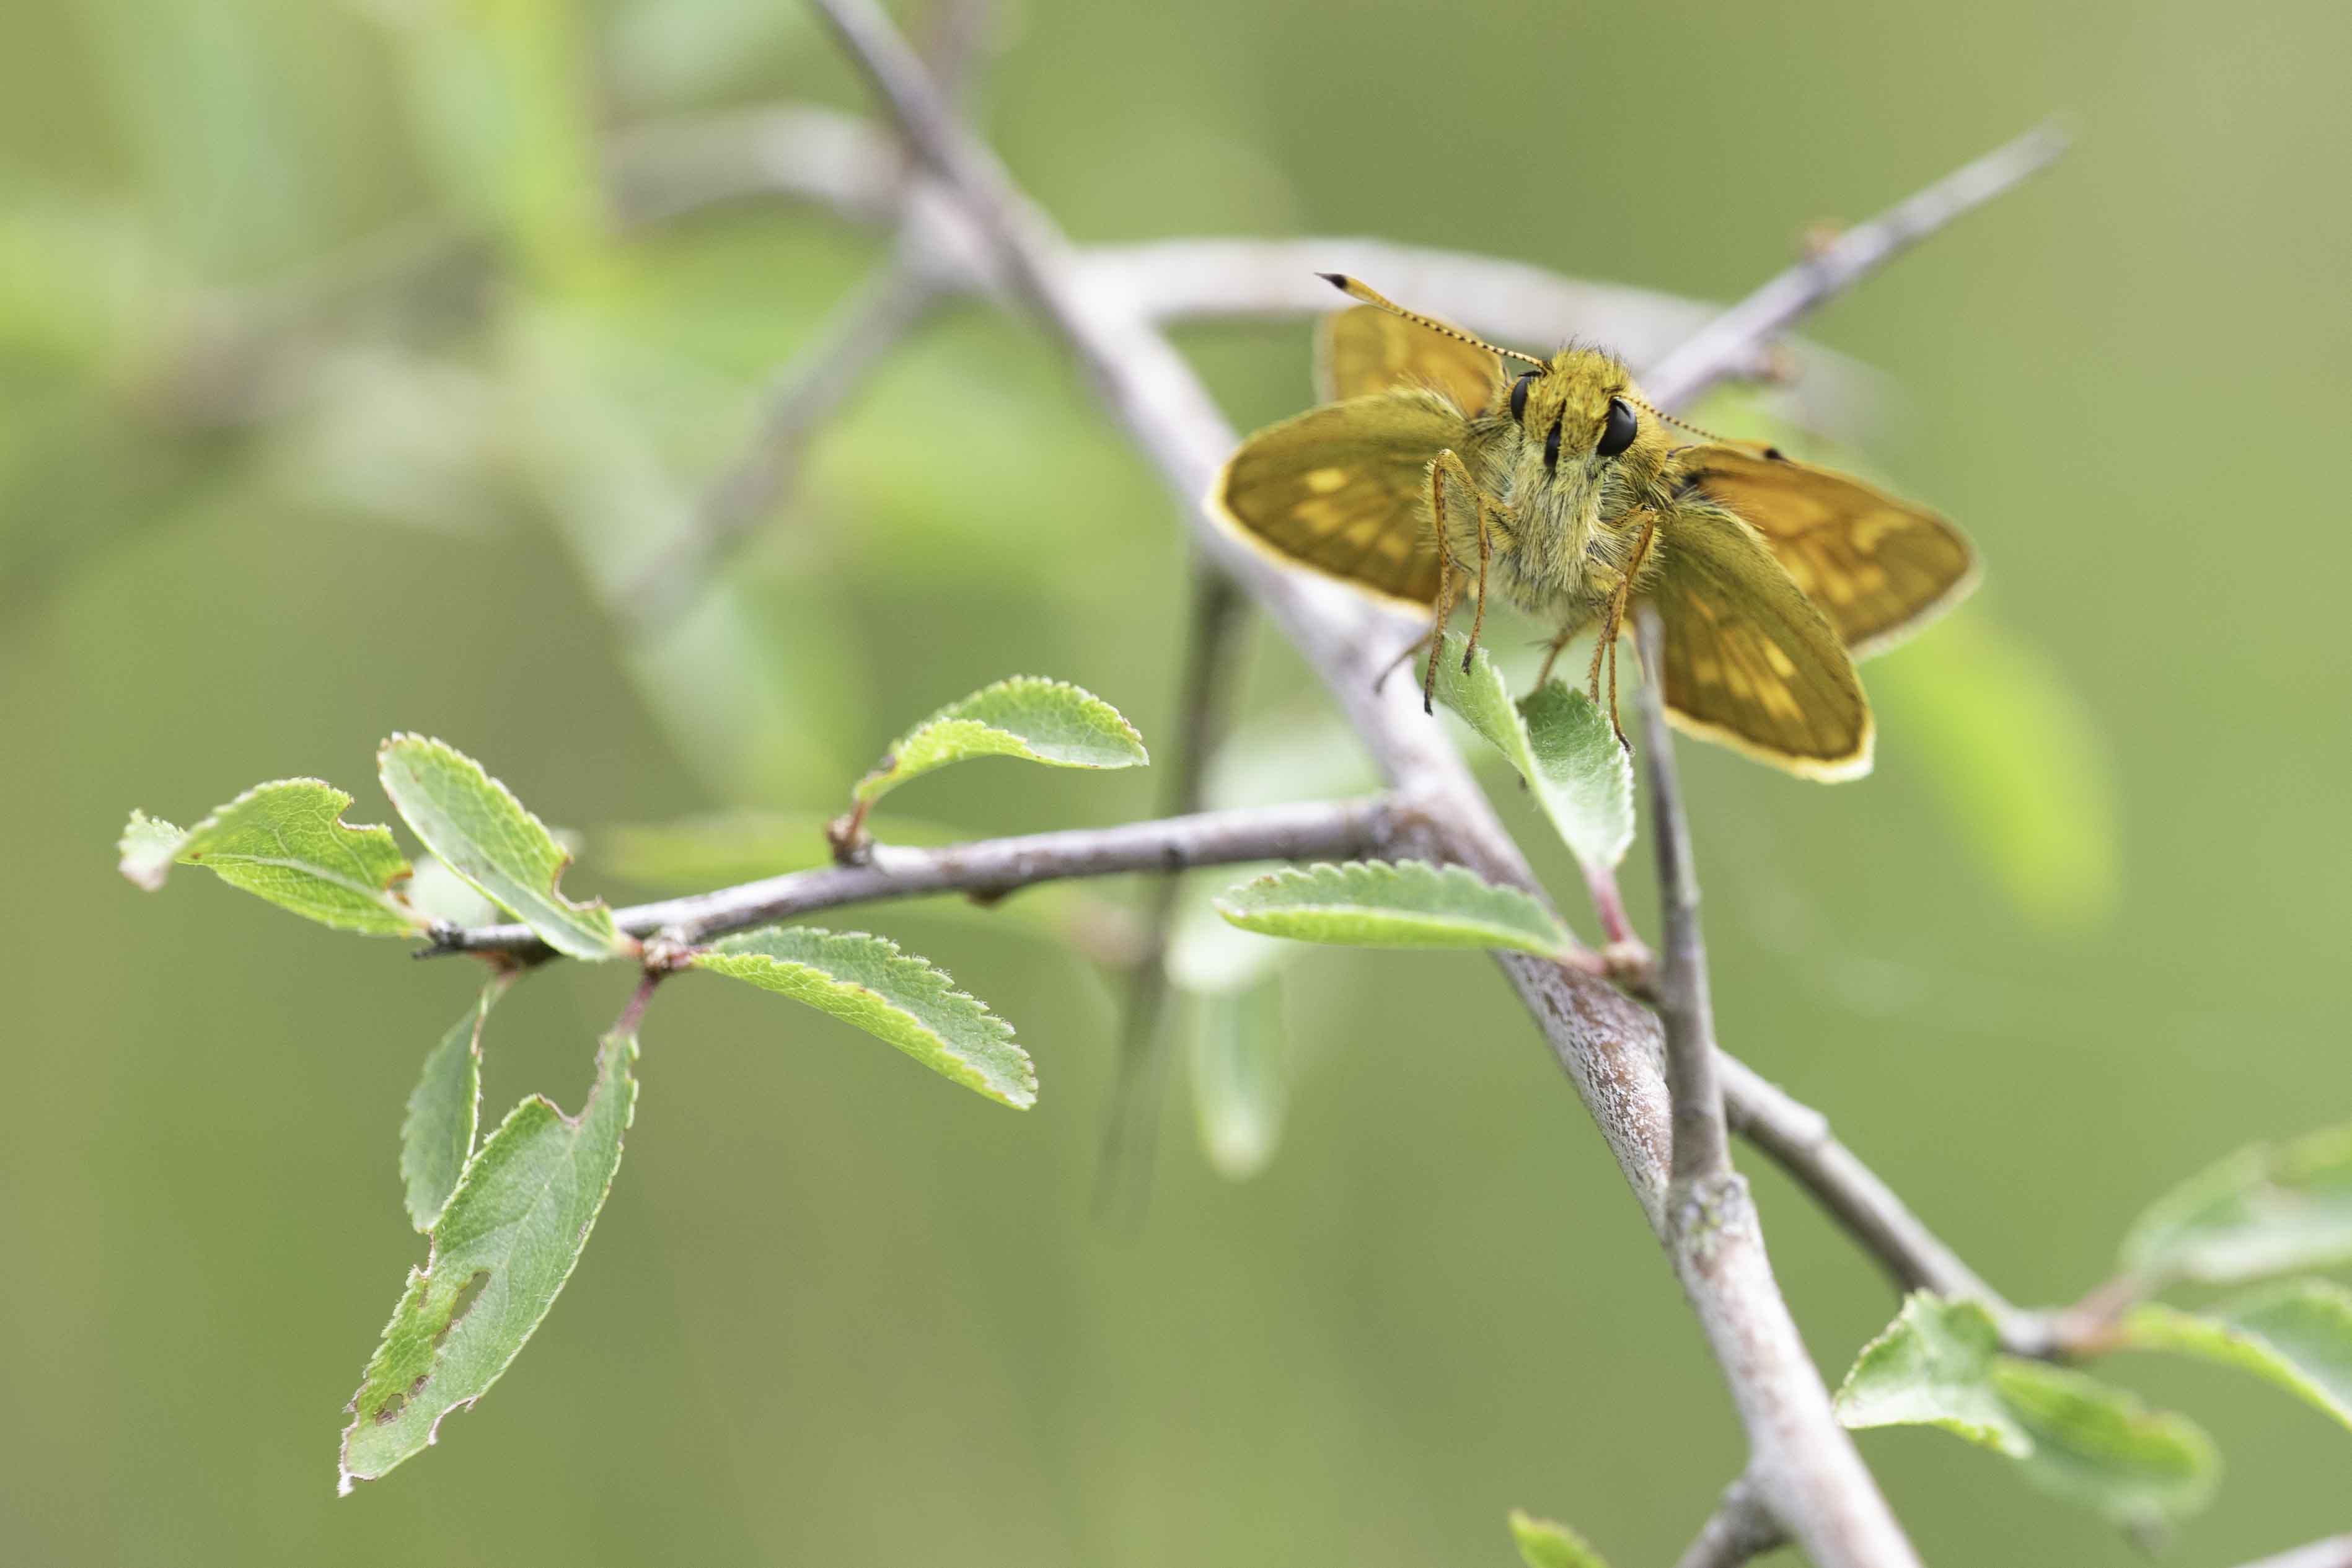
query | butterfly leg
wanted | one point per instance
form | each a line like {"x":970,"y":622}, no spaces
{"x":1615,"y":625}
{"x":1404,"y":655}
{"x":1558,"y":645}
{"x":1448,"y":465}
{"x":1436,"y":641}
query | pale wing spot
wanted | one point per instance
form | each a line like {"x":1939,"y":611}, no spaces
{"x":1395,"y":545}
{"x":1839,"y":587}
{"x":1871,"y":579}
{"x":1323,"y":481}
{"x":1782,"y":665}
{"x":1323,"y":516}
{"x":1707,"y":672}
{"x":1866,"y":534}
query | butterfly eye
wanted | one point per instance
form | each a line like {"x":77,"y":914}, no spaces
{"x":1618,"y":433}
{"x":1519,"y":394}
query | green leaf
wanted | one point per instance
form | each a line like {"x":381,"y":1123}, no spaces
{"x":2098,"y":1447}
{"x":2270,"y":1209}
{"x":475,"y":823}
{"x":2297,"y":1335}
{"x":1938,"y":1364}
{"x":893,"y":995}
{"x":286,"y":842}
{"x":444,"y":1111}
{"x":1410,"y":903}
{"x":1562,"y":743}
{"x":502,"y":1248}
{"x":1043,"y":721}
{"x":1238,"y":1052}
{"x":1544,"y":1543}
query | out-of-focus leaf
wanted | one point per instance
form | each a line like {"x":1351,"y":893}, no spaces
{"x":892,"y":995}
{"x":730,"y":680}
{"x":1938,"y":1364}
{"x":1546,"y":1544}
{"x":502,"y":1248}
{"x":1239,"y":1055}
{"x":500,"y":102}
{"x":488,"y":837}
{"x":286,"y":841}
{"x":1561,"y":742}
{"x":444,"y":1112}
{"x":2297,"y":1335}
{"x":1409,"y":903}
{"x":440,"y":894}
{"x":2015,"y":757}
{"x":2270,"y":1209}
{"x":1027,"y":716}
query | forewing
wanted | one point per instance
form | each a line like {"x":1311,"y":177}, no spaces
{"x":1342,"y":488}
{"x":1364,"y":350}
{"x":1749,"y":660}
{"x":1879,"y":568}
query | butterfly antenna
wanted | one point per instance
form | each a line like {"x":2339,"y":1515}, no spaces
{"x":1356,"y":288}
{"x":1659,"y":412}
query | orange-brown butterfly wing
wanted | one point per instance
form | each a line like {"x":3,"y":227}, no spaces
{"x":1749,"y":660}
{"x":1343,"y":489}
{"x":1878,"y":567}
{"x":1364,"y":350}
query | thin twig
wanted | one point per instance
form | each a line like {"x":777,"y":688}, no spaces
{"x":1804,"y":1461}
{"x":1797,"y":1139}
{"x":1731,"y":338}
{"x":1319,"y":830}
{"x":1740,"y":1528}
{"x":1702,"y":1149}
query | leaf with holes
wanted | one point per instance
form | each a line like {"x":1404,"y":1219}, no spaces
{"x":892,"y":995}
{"x":1048,"y":722}
{"x":2297,"y":1335}
{"x":1546,"y":1544}
{"x":2271,"y":1209}
{"x":1409,"y":903}
{"x":444,"y":1111}
{"x":286,"y":842}
{"x":501,"y":1250}
{"x":1940,"y":1365}
{"x":475,"y":824}
{"x":1562,"y":743}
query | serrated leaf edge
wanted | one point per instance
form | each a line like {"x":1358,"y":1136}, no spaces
{"x":1366,"y":872}
{"x":966,"y":1073}
{"x":946,"y":713}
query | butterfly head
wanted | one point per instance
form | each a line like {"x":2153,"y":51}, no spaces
{"x":1582,"y":422}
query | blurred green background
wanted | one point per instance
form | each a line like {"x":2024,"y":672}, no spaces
{"x":332,"y":402}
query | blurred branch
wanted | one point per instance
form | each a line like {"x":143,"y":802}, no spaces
{"x":2336,"y":1552}
{"x":1740,"y":1528}
{"x":1804,"y":1466}
{"x":1728,"y":340}
{"x":991,"y":867}
{"x":860,"y":337}
{"x":670,"y":170}
{"x":812,"y":390}
{"x":1212,"y":634}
